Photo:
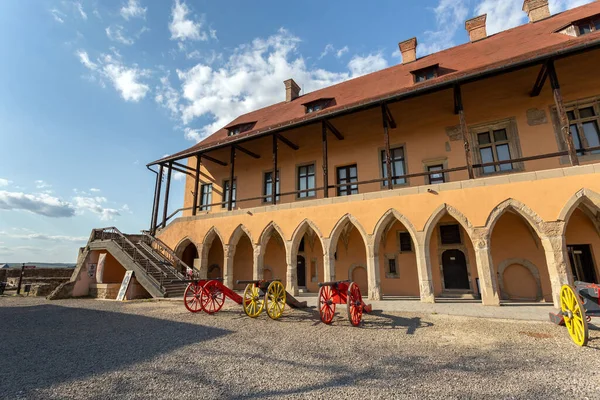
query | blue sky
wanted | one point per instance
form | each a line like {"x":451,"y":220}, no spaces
{"x":93,"y":90}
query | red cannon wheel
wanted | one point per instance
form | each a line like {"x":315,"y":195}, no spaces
{"x":355,"y":304}
{"x":326,"y":304}
{"x":212,"y":297}
{"x":191,"y":297}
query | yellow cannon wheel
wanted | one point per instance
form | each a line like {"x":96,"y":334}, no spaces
{"x":275,"y":299}
{"x":574,"y":315}
{"x":253,"y":302}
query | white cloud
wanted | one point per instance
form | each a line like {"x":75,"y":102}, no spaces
{"x":167,"y":96}
{"x":341,"y":51}
{"x":195,"y":135}
{"x":126,"y":80}
{"x":115,"y":33}
{"x":183,"y":28}
{"x":41,"y":203}
{"x":133,"y":9}
{"x":450,"y":15}
{"x":79,"y":8}
{"x":42,"y":236}
{"x":39,"y":184}
{"x":95,"y":205}
{"x":359,"y":65}
{"x":94,"y":190}
{"x":331,"y":49}
{"x":4,"y":182}
{"x":58,"y":16}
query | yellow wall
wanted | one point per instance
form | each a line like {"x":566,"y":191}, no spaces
{"x":274,"y":259}
{"x":407,"y":281}
{"x":243,"y":261}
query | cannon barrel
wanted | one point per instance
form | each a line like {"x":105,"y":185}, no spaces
{"x":256,"y":282}
{"x":321,"y":284}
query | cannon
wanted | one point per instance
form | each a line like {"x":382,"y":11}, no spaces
{"x":269,"y":294}
{"x":578,"y":305}
{"x":341,"y":292}
{"x":207,"y":295}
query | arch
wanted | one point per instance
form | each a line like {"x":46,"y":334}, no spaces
{"x":208,"y":241}
{"x":437,"y":215}
{"x":527,"y":264}
{"x":187,"y":251}
{"x":585,"y":197}
{"x":301,"y":230}
{"x":182,"y":245}
{"x":339,"y":228}
{"x":237,"y":234}
{"x":532,"y":218}
{"x":362,"y":285}
{"x":266,"y":234}
{"x":278,"y":263}
{"x":388,"y":217}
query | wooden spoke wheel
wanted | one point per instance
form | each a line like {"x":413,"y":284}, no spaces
{"x":275,"y":299}
{"x":254,"y":303}
{"x":574,"y":315}
{"x":212,"y":297}
{"x":326,"y":304}
{"x":191,"y":297}
{"x":355,"y":304}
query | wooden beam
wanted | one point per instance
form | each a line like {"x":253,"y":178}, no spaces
{"x":156,"y":204}
{"x":183,"y":166}
{"x":274,"y":173}
{"x":167,"y":189}
{"x":243,"y":150}
{"x":196,"y":181}
{"x":333,"y":130}
{"x":540,"y":81}
{"x":211,"y":159}
{"x":389,"y":116}
{"x":325,"y":161}
{"x":562,"y":114}
{"x":182,"y":171}
{"x":231,"y":178}
{"x":286,"y":141}
{"x":386,"y":141}
{"x":464,"y":129}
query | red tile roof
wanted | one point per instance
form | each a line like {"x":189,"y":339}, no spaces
{"x":522,"y":43}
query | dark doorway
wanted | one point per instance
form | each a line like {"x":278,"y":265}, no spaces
{"x":190,"y":253}
{"x":214,"y":272}
{"x":454,"y":266}
{"x":301,"y":271}
{"x":582,"y":263}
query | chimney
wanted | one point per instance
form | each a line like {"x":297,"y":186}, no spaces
{"x":476,"y":28}
{"x":292,"y":90}
{"x":536,"y":10}
{"x":408,"y":48}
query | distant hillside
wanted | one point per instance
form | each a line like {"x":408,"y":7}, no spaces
{"x":42,"y":265}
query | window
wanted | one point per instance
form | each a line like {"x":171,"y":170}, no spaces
{"x":584,"y":122}
{"x":268,"y":187}
{"x":205,"y":197}
{"x":226,"y":190}
{"x":425,"y":74}
{"x":405,"y":242}
{"x":306,"y":181}
{"x":317,"y":105}
{"x":450,"y":234}
{"x":436,"y":177}
{"x":494,"y":146}
{"x":392,"y":266}
{"x":397,"y":161}
{"x":588,"y":26}
{"x":345,"y":176}
{"x":237,"y":129}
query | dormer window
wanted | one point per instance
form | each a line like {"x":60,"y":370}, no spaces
{"x":582,"y":27}
{"x":239,"y":128}
{"x":318,"y":105}
{"x":425,"y":74}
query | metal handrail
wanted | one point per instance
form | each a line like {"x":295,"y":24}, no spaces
{"x":165,"y":251}
{"x":114,"y":231}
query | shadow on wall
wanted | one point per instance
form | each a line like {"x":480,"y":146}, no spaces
{"x":103,"y":342}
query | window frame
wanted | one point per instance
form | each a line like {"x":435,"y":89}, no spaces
{"x":460,"y":234}
{"x":277,"y":187}
{"x":579,"y":121}
{"x":383,"y":168}
{"x":240,"y":128}
{"x":313,"y":193}
{"x":514,"y":146}
{"x":348,"y":191}
{"x":421,"y":75}
{"x":317,"y":105}
{"x":399,"y":238}
{"x":569,"y":106}
{"x":202,"y":206}
{"x":388,"y":273}
{"x":225,"y":200}
{"x":591,"y":23}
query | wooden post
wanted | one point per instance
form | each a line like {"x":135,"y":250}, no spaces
{"x":562,"y":114}
{"x":325,"y":161}
{"x":464,"y":129}
{"x":156,"y":200}
{"x":167,"y":189}
{"x":386,"y":140}
{"x":274,"y":176}
{"x":196,"y":181}
{"x":231,"y":177}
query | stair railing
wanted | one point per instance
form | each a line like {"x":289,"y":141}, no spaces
{"x":112,"y":233}
{"x":175,"y":263}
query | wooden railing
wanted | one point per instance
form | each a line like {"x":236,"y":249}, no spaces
{"x":357,"y":184}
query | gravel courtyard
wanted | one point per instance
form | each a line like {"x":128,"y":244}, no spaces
{"x":90,"y":349}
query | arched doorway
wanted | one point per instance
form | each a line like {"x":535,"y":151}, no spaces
{"x":212,"y":256}
{"x":519,"y":280}
{"x":349,"y":251}
{"x":454,"y":268}
{"x":214,"y":272}
{"x":274,"y":256}
{"x":583,"y":244}
{"x":301,"y":271}
{"x":243,"y":258}
{"x":306,"y":243}
{"x":188,"y":253}
{"x":358,"y":275}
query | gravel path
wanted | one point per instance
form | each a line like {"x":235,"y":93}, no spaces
{"x":90,"y":349}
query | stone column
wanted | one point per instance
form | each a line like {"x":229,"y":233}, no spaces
{"x":258,"y":263}
{"x":328,"y":261}
{"x":488,"y":284}
{"x":424,"y":269}
{"x":373,"y":273}
{"x":555,"y":249}
{"x":229,"y":252}
{"x":203,"y":272}
{"x":291,"y":277}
